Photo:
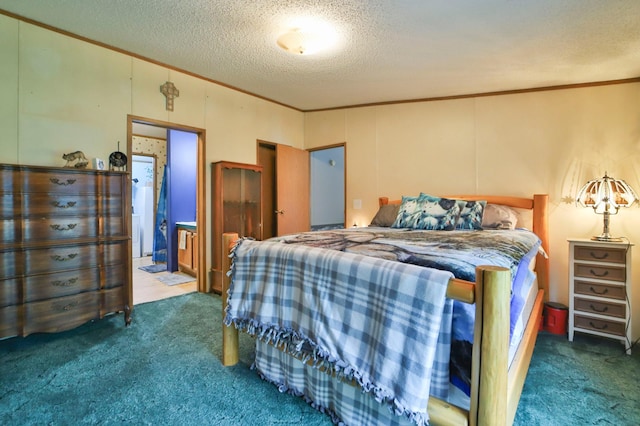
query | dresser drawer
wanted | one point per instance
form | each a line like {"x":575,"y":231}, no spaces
{"x":52,"y":204}
{"x":10,"y":293}
{"x":63,"y":258}
{"x":9,"y":264}
{"x":59,"y":182}
{"x":60,"y":258}
{"x":112,"y":300}
{"x":609,"y":309}
{"x":610,"y":291}
{"x":609,"y":273}
{"x":8,"y":205}
{"x":56,"y":229}
{"x":7,"y":179}
{"x":10,"y":230}
{"x":602,"y":326}
{"x":49,"y":286}
{"x":10,"y":321}
{"x":113,"y":276}
{"x":600,"y":254}
{"x":111,"y":183}
{"x":61,"y":314}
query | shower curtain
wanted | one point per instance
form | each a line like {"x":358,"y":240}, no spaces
{"x":160,"y":232}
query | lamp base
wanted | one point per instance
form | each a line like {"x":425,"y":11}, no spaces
{"x":607,"y":238}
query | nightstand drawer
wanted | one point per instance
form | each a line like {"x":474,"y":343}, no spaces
{"x":610,"y":291}
{"x":609,"y":273}
{"x":602,"y":326}
{"x":600,"y":254}
{"x":609,"y":309}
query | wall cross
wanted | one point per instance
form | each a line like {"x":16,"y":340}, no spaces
{"x":170,"y":92}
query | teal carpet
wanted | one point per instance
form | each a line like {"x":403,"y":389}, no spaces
{"x":165,"y":369}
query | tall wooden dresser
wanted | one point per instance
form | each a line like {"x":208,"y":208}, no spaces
{"x":236,"y":207}
{"x":64,"y":253}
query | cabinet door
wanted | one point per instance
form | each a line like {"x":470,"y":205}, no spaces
{"x":184,"y":248}
{"x":242,"y":195}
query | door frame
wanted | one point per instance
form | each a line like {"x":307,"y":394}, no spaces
{"x":201,"y":223}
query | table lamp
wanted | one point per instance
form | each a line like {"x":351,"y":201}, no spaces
{"x":606,"y":195}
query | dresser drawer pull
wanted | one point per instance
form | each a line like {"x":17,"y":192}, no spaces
{"x":59,"y":258}
{"x":69,"y":306}
{"x":67,"y":283}
{"x":604,"y":256}
{"x":605,"y":309}
{"x":593,"y":290}
{"x":62,"y":205}
{"x":598,"y":275}
{"x":604,"y":326}
{"x":69,"y":227}
{"x":66,"y":183}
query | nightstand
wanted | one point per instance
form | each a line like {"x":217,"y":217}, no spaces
{"x":600,"y":289}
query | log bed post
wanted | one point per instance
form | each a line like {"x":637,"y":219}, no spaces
{"x":230,"y":350}
{"x":490,"y":356}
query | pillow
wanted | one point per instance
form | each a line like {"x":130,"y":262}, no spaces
{"x":497,"y":216}
{"x":471,"y":214}
{"x":386,"y":215}
{"x":427,"y":212}
{"x":407,"y":213}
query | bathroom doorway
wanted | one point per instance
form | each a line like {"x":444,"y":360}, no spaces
{"x":156,"y":161}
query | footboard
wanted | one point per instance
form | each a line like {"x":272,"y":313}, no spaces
{"x":495,"y":389}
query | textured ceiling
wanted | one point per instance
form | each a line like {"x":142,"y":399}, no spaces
{"x":388,"y":51}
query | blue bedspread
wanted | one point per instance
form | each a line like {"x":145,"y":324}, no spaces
{"x":385,"y":324}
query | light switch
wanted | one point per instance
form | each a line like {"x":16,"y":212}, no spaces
{"x":357,"y":204}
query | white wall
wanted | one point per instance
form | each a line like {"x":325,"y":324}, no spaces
{"x":520,"y":144}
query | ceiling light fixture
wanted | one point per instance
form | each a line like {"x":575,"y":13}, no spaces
{"x":308,"y":35}
{"x":301,"y":42}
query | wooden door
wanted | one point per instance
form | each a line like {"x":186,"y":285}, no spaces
{"x":292,"y":190}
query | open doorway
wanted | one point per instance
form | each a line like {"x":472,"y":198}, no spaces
{"x":171,"y":148}
{"x":327,"y":187}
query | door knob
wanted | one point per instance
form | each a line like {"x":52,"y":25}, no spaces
{"x":279,"y":212}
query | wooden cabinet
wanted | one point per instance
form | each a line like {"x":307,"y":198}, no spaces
{"x":236,"y":207}
{"x":600,"y":287}
{"x":63,"y":248}
{"x":187,"y":250}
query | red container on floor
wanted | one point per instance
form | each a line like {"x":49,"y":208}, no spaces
{"x":555,"y":318}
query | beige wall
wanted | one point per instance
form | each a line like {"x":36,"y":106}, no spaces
{"x":60,"y":94}
{"x":540,"y":142}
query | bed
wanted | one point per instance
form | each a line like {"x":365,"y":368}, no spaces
{"x":497,"y":368}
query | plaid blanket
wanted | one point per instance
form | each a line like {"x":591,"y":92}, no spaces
{"x":385,"y":324}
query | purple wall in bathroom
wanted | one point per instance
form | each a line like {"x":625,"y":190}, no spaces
{"x":182,"y":154}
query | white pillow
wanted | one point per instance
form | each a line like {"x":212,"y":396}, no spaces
{"x":497,"y":216}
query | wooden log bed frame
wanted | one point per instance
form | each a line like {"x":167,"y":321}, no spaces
{"x":495,"y":387}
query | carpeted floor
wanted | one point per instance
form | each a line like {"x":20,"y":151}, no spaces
{"x":165,"y":369}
